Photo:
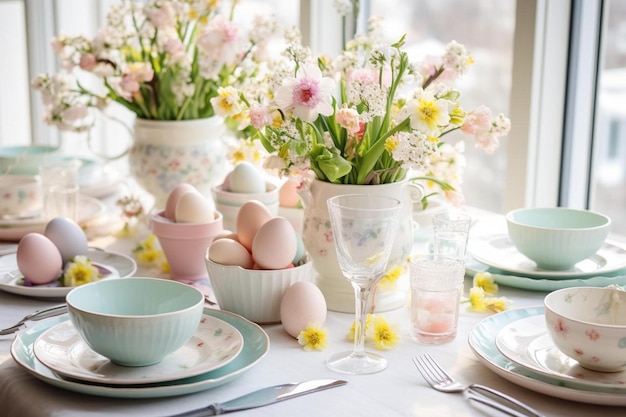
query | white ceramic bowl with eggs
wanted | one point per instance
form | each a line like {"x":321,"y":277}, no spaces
{"x":135,"y":321}
{"x":255,"y":294}
{"x":228,"y":203}
{"x":556,"y":238}
{"x":588,"y":324}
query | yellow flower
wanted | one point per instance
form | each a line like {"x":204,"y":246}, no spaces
{"x":352,"y":332}
{"x":80,"y":271}
{"x":391,"y":276}
{"x":485,"y":281}
{"x":384,"y":336}
{"x":477,"y":299}
{"x":497,"y":304}
{"x":313,"y":337}
{"x":149,"y":257}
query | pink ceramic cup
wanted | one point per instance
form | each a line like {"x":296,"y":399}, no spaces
{"x":185,"y":245}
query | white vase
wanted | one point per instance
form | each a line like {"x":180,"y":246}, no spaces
{"x":318,"y":241}
{"x":166,"y":153}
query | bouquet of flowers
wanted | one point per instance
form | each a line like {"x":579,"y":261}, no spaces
{"x":366,"y":117}
{"x":160,"y":59}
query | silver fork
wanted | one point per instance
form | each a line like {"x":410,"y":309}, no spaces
{"x":34,"y":316}
{"x":440,"y":380}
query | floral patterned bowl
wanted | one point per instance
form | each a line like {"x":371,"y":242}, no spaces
{"x":20,"y":195}
{"x":588,"y":324}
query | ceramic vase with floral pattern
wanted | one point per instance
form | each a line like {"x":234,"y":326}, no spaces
{"x":167,"y":153}
{"x":391,"y":292}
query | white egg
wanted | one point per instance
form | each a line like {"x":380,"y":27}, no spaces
{"x":193,"y":207}
{"x":173,"y":198}
{"x":303,"y":304}
{"x":68,"y":237}
{"x":230,"y":252}
{"x":246,"y":178}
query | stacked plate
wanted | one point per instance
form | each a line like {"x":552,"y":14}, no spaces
{"x":498,"y":255}
{"x":516,"y":345}
{"x":224,"y":346}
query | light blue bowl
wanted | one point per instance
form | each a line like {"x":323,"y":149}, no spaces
{"x":557,"y":238}
{"x":25,"y":160}
{"x":135,"y":321}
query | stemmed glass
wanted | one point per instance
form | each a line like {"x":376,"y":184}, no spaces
{"x":364,"y":228}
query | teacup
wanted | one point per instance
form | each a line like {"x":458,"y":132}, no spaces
{"x":20,"y":195}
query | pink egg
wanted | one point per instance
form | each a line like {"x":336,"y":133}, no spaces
{"x":173,"y":197}
{"x":303,"y":304}
{"x":251,"y":216}
{"x":288,"y":194}
{"x":275,"y":244}
{"x":38,"y":259}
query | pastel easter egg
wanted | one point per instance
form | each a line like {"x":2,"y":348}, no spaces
{"x":246,"y":178}
{"x":38,"y":259}
{"x":303,"y":304}
{"x":275,"y":244}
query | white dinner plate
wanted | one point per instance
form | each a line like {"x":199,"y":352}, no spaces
{"x":499,"y":252}
{"x":482,"y":341}
{"x":528,"y":343}
{"x":118,"y":265}
{"x":62,"y":349}
{"x":89,"y":208}
{"x":472,"y":267}
{"x":256,"y":344}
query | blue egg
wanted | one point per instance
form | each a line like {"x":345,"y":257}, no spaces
{"x":300,"y":251}
{"x":245,"y":178}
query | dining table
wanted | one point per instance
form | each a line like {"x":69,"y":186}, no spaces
{"x":398,"y":390}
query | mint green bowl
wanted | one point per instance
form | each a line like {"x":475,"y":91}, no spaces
{"x":135,"y":321}
{"x":557,"y":238}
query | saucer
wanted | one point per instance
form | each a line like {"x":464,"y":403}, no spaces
{"x":499,"y":252}
{"x":11,"y":281}
{"x":527,"y":343}
{"x":63,"y":350}
{"x":89,"y":208}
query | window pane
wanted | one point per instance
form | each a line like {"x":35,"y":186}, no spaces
{"x":609,"y":171}
{"x":486,"y":30}
{"x":14,"y":83}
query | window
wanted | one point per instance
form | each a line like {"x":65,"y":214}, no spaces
{"x":521,"y":51}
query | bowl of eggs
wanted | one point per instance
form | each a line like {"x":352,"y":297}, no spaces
{"x":251,"y":269}
{"x":244,"y":183}
{"x":185,"y":229}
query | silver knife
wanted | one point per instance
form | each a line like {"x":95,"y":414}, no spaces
{"x":263,"y":397}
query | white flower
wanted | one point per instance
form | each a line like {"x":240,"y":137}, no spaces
{"x":308,"y":95}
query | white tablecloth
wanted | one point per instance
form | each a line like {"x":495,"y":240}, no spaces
{"x":397,"y":391}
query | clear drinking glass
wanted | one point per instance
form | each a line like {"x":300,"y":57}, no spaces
{"x":364,"y":227}
{"x":451,"y":231}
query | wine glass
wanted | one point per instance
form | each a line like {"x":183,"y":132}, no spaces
{"x":364,"y":228}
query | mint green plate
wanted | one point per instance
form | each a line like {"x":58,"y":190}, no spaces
{"x":482,"y":340}
{"x":255,"y":346}
{"x":472,"y":267}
